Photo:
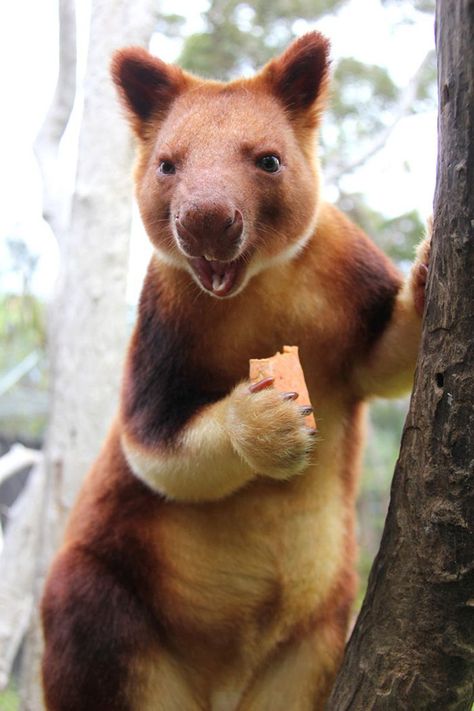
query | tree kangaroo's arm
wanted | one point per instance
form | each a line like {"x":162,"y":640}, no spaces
{"x":200,"y":463}
{"x":389,"y":367}
{"x":223,"y":446}
{"x":182,"y":441}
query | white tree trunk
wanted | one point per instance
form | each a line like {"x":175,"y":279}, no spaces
{"x":89,"y":319}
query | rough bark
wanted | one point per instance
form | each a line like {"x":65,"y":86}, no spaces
{"x":88,"y":331}
{"x":413,"y":644}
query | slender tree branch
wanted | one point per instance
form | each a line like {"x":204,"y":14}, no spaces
{"x":55,"y":123}
{"x":403,"y":108}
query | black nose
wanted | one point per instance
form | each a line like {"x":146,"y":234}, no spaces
{"x":209,"y":228}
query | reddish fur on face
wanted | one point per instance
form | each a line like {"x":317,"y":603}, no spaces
{"x":206,"y":565}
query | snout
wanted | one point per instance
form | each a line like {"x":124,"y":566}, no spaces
{"x":209,"y":229}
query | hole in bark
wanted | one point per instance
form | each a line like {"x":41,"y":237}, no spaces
{"x":439,"y":377}
{"x":445,"y":94}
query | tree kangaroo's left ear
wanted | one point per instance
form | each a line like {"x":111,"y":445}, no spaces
{"x":300,"y":76}
{"x":147,"y":86}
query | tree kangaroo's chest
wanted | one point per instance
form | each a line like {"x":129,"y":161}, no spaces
{"x":225,"y":343}
{"x":266,"y":557}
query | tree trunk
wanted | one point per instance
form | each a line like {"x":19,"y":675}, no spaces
{"x":89,"y":329}
{"x":413,"y":644}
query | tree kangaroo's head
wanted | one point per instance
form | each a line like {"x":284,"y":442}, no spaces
{"x":226,"y":179}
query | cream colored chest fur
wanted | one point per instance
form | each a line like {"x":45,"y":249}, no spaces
{"x":263,"y":560}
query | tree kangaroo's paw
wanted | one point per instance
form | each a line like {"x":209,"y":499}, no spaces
{"x":267,"y":429}
{"x":419,"y":271}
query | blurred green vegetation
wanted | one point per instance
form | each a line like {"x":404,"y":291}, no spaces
{"x":9,"y":699}
{"x":23,"y":402}
{"x":240,"y":36}
{"x":20,"y":314}
{"x":419,"y":5}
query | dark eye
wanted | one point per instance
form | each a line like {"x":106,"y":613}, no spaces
{"x":166,"y":167}
{"x":270,"y":163}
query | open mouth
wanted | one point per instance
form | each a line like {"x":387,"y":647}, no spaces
{"x":219,"y":278}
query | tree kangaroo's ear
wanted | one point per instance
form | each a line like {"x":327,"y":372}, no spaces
{"x":147,"y":86}
{"x":300,"y":77}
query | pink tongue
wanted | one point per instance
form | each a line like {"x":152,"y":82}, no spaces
{"x":218,"y":277}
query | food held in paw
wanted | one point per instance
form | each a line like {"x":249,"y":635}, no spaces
{"x":286,"y":371}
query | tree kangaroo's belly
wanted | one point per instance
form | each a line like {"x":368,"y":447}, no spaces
{"x":258,"y":563}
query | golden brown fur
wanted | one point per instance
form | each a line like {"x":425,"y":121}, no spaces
{"x":208,"y":563}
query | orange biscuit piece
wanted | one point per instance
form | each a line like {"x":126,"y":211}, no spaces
{"x":285,"y":368}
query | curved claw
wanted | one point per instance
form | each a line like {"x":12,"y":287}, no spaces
{"x":261,"y":385}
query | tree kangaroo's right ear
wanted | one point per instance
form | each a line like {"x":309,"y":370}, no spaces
{"x":147,"y":86}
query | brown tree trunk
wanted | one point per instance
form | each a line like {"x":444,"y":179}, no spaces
{"x":413,"y":645}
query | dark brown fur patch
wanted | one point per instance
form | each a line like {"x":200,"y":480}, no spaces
{"x":98,"y":606}
{"x":146,"y":85}
{"x":93,"y":628}
{"x":162,"y":388}
{"x":369,"y":285}
{"x":270,"y":212}
{"x":375,"y":284}
{"x":302,"y":71}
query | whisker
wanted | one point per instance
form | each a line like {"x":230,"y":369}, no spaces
{"x":266,"y":229}
{"x":154,"y":221}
